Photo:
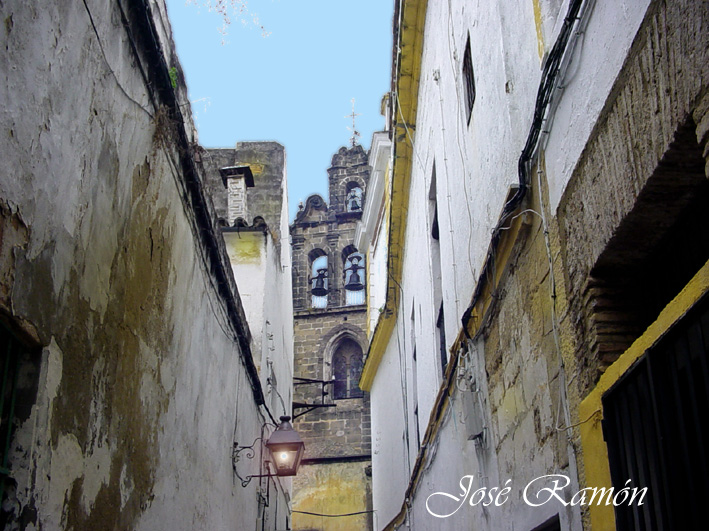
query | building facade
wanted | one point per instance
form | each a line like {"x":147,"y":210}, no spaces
{"x":130,"y":372}
{"x":248,"y":187}
{"x":545,"y":303}
{"x":330,"y":316}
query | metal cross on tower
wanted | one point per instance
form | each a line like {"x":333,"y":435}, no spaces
{"x":355,"y":133}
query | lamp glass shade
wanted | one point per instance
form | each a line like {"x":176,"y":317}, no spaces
{"x":286,"y":448}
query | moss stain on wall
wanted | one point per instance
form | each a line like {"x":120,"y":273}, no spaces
{"x":107,"y":357}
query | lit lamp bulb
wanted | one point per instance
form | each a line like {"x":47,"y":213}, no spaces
{"x":286,"y":448}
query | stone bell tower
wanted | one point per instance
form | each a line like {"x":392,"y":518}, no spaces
{"x":329,"y":294}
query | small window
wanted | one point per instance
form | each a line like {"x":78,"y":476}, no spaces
{"x":434,"y":224}
{"x":414,"y":379}
{"x":353,"y":199}
{"x":347,"y":367}
{"x":9,"y":362}
{"x":433,"y":204}
{"x":319,"y":284}
{"x":441,"y":332}
{"x":19,"y":374}
{"x":469,"y":80}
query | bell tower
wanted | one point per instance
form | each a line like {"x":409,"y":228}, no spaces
{"x":329,"y":293}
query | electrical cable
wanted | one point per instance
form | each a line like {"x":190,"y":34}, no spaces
{"x":108,"y":65}
{"x":334,"y":515}
{"x":283,"y":404}
{"x":408,"y":132}
{"x":448,"y":204}
{"x":550,"y":72}
{"x":404,"y":393}
{"x":453,"y":53}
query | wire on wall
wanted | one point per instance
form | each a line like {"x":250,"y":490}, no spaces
{"x":334,"y":515}
{"x":113,"y":73}
{"x":550,"y":76}
{"x":193,"y":193}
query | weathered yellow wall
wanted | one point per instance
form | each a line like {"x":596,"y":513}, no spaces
{"x":338,"y":488}
{"x":245,"y":247}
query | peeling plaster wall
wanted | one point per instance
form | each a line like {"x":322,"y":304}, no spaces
{"x":141,"y":389}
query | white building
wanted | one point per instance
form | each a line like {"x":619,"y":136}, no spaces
{"x":548,"y":163}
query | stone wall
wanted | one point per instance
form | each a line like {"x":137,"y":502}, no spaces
{"x":348,"y":166}
{"x":660,"y":103}
{"x":339,"y":436}
{"x":267,"y":163}
{"x":343,"y":430}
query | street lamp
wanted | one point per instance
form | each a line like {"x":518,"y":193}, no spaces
{"x":286,"y":448}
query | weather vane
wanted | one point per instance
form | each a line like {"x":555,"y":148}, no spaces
{"x":355,"y":133}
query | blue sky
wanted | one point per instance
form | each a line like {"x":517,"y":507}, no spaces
{"x":294,"y":85}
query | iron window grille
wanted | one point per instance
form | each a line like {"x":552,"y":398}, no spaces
{"x":655,"y":426}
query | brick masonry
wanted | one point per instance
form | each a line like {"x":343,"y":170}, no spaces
{"x":642,"y":173}
{"x":646,"y":159}
{"x":267,"y":163}
{"x":338,"y":431}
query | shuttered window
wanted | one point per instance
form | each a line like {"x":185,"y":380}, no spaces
{"x":656,"y":429}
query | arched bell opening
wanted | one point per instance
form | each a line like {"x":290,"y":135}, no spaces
{"x":319,"y":283}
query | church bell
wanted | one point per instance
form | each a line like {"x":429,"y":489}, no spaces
{"x":353,"y":201}
{"x":319,"y":289}
{"x":355,"y":280}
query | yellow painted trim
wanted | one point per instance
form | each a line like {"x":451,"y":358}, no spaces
{"x":492,"y":275}
{"x":368,"y":297}
{"x":482,"y":302}
{"x":595,"y":451}
{"x":538,"y":26}
{"x":413,"y":18}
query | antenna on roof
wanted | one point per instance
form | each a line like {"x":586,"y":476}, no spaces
{"x":355,"y":133}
